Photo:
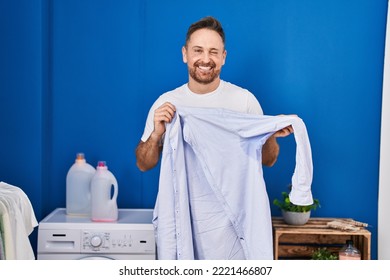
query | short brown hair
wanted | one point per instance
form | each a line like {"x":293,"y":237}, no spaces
{"x":208,"y":23}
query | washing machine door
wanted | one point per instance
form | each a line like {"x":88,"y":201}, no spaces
{"x":91,"y":258}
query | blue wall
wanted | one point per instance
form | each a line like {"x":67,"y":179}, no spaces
{"x":81,"y":76}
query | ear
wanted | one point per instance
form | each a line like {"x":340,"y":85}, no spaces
{"x":184,"y":52}
{"x":224,"y":56}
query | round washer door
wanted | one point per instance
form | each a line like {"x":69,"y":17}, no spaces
{"x":91,"y":258}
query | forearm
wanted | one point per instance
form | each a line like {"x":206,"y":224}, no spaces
{"x":270,"y":152}
{"x":148,"y":153}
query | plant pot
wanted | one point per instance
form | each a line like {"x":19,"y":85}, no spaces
{"x":295,"y":218}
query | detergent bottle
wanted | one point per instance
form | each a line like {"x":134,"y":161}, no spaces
{"x":78,"y":189}
{"x":103,"y":200}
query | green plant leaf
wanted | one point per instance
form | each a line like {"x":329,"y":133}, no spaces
{"x":285,"y":204}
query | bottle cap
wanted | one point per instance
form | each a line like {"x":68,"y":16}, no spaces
{"x":80,"y":156}
{"x":102,"y":165}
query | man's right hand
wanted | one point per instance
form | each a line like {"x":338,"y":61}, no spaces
{"x":163,"y":114}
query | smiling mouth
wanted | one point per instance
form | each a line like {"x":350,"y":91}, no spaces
{"x":205,"y":69}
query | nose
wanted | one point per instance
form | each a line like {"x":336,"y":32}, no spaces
{"x":206,"y":57}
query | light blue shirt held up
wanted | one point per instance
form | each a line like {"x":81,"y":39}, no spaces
{"x":212,"y":201}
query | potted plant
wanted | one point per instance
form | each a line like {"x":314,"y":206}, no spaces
{"x":295,"y":214}
{"x":323,"y":254}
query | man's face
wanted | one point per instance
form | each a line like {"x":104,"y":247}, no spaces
{"x":205,"y":54}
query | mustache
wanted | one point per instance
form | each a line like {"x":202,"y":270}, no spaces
{"x":209,"y":64}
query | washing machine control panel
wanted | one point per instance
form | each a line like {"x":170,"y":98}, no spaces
{"x":118,"y":241}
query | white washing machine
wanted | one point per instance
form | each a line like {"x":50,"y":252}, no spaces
{"x":65,"y":237}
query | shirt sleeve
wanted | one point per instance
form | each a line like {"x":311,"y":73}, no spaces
{"x":149,"y":125}
{"x":254,"y":106}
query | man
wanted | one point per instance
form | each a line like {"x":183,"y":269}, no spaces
{"x":212,"y":202}
{"x":204,"y":53}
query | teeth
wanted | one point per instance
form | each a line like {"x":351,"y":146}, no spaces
{"x":204,"y":68}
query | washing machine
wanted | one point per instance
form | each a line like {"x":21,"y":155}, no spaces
{"x":65,"y":237}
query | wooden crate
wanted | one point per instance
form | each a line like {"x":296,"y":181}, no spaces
{"x":299,"y":242}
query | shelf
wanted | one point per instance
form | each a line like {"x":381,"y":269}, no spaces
{"x":299,"y":242}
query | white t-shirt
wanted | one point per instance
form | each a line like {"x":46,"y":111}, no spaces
{"x":226,"y":96}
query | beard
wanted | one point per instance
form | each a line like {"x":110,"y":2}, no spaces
{"x":202,"y":77}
